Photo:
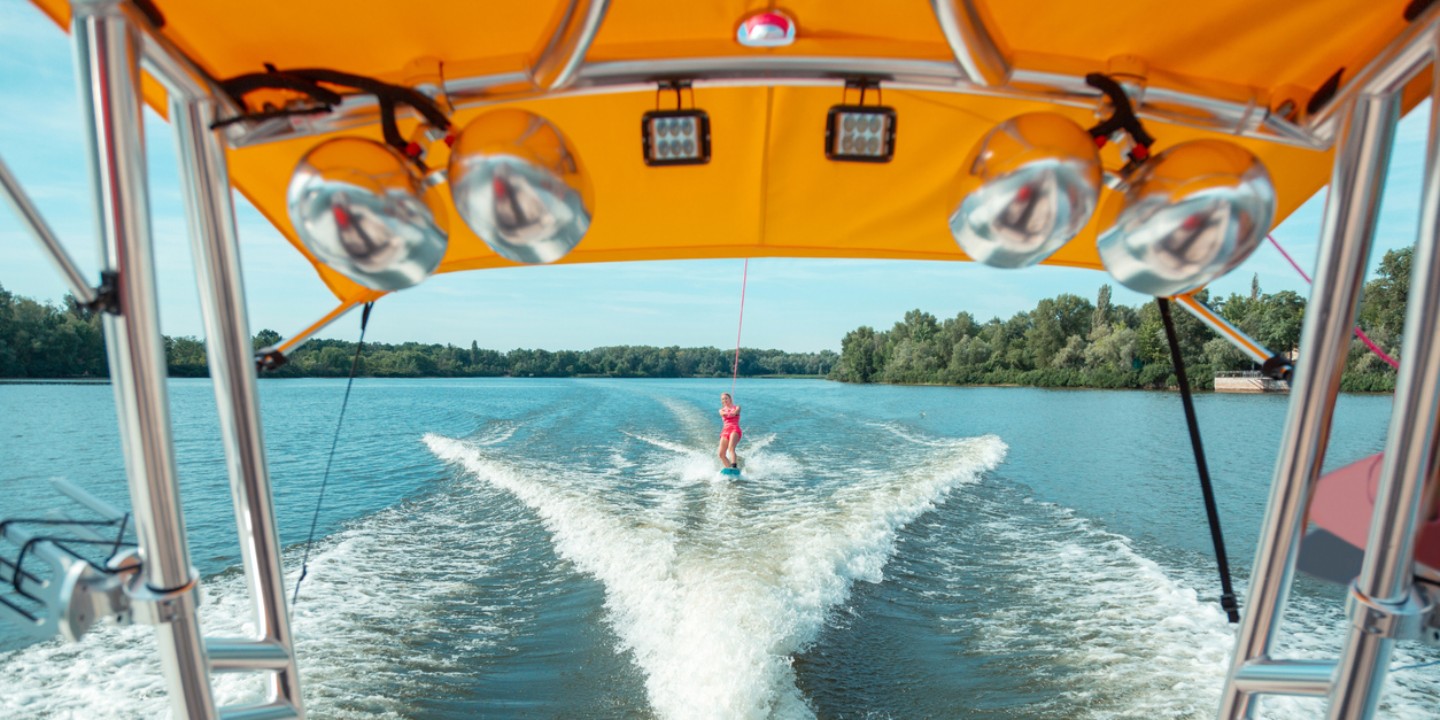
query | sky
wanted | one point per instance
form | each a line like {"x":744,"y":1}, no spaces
{"x":796,"y":305}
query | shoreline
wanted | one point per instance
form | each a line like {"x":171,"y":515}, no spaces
{"x":106,"y":381}
{"x":1171,"y":389}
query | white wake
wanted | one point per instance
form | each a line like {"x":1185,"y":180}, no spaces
{"x":714,"y":608}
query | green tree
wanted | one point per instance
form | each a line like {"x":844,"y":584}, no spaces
{"x":1281,"y":317}
{"x":1053,"y":322}
{"x":267,"y":338}
{"x":859,"y":361}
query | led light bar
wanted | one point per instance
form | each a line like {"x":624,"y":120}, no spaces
{"x":676,"y":137}
{"x":860,"y":133}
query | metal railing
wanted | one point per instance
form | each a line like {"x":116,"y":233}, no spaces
{"x":68,"y":591}
{"x":1384,"y":607}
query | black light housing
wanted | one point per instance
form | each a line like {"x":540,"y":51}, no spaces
{"x":676,"y":137}
{"x":860,"y":133}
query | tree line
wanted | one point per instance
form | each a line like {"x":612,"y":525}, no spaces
{"x":333,"y":358}
{"x":1068,"y":341}
{"x":1065,"y":341}
{"x":40,"y":340}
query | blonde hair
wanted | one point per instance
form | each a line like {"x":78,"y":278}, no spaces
{"x":727,"y":395}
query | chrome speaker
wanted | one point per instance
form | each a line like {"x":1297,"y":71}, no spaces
{"x":520,"y":187}
{"x":1036,"y":181}
{"x":1190,"y":215}
{"x":362,"y":209}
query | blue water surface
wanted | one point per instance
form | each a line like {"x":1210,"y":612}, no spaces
{"x":567,"y":548}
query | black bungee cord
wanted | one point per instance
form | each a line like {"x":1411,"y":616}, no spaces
{"x":311,"y":82}
{"x":1123,"y":118}
{"x":335,"y":442}
{"x":1212,"y":513}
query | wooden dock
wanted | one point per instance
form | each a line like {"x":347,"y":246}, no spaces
{"x":1248,"y":382}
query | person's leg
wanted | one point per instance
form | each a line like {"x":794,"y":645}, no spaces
{"x":724,"y":442}
{"x":734,"y":439}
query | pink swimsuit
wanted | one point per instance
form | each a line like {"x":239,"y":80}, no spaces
{"x":732,"y":422}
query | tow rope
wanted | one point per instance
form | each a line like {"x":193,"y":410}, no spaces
{"x":735,"y":368}
{"x":334,"y":442}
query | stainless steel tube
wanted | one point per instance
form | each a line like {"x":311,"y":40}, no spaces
{"x":1410,"y":450}
{"x":232,"y":371}
{"x":1405,"y":56}
{"x":56,"y":252}
{"x":1240,"y":112}
{"x":1222,"y":327}
{"x":1287,"y":677}
{"x":976,"y":52}
{"x":236,"y":655}
{"x":559,"y":65}
{"x":107,"y":49}
{"x":265,"y":711}
{"x":1361,"y":159}
{"x":172,"y":68}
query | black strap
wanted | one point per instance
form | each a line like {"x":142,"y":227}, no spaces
{"x":307,"y":81}
{"x":1227,"y":595}
{"x":325,"y":480}
{"x":1122,"y":116}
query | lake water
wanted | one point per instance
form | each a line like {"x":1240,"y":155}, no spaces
{"x":565,"y":549}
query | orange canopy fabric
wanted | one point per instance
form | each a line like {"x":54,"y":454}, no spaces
{"x":769,"y":189}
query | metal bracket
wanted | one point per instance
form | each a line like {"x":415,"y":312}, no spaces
{"x":863,"y":84}
{"x":149,"y":606}
{"x":677,"y":86}
{"x":1413,"y":618}
{"x":79,"y":594}
{"x":72,"y":594}
{"x":1278,"y":367}
{"x":270,"y":359}
{"x":107,"y":294}
{"x":66,"y":590}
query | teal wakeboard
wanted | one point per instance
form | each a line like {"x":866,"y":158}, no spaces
{"x":731,"y":472}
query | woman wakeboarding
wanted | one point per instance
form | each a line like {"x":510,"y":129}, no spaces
{"x":729,"y":431}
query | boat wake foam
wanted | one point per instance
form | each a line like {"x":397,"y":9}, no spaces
{"x":344,"y":625}
{"x":1136,"y":636}
{"x":713,"y":607}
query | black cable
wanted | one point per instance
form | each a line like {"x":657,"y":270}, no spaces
{"x":325,"y":480}
{"x":58,"y":542}
{"x":307,"y":81}
{"x":420,"y":102}
{"x":241,"y":85}
{"x":18,"y":572}
{"x":119,"y":538}
{"x":271,"y":114}
{"x":1212,"y":513}
{"x":1415,"y":666}
{"x":19,"y":610}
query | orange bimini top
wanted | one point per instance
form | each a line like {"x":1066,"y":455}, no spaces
{"x":1264,"y":75}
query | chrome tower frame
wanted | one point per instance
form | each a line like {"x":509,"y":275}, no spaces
{"x":107,"y":63}
{"x":114,"y":41}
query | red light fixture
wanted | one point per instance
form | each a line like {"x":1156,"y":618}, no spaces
{"x":769,"y":28}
